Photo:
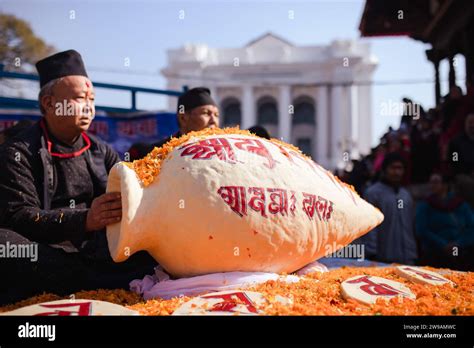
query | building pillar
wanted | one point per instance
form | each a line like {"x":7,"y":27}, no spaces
{"x":284,"y":118}
{"x":335,"y":125}
{"x":322,"y":126}
{"x":435,"y":57}
{"x":353,"y":114}
{"x":469,"y":53}
{"x":364,"y":127}
{"x":248,"y":108}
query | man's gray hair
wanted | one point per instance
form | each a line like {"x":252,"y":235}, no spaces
{"x":47,"y":90}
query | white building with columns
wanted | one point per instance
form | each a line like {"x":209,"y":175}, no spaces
{"x":315,"y":97}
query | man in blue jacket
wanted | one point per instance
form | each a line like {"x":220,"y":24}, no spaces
{"x":445,"y":227}
{"x":394,"y":239}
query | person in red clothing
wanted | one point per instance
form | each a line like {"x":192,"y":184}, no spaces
{"x":461,"y":149}
{"x":455,"y":110}
{"x":396,"y":144}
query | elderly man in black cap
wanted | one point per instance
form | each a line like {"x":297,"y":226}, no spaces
{"x":196,"y":111}
{"x":52,"y":194}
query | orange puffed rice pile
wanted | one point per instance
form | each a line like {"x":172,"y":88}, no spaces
{"x":316,"y":294}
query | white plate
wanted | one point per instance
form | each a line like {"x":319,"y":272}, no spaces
{"x":234,"y":302}
{"x":422,"y":276}
{"x":367,"y":289}
{"x":79,"y":307}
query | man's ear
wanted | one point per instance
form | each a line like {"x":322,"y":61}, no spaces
{"x":181,"y":120}
{"x":47,"y":103}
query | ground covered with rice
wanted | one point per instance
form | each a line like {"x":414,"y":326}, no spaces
{"x":316,"y":294}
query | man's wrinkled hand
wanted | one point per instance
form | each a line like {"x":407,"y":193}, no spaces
{"x":105,"y":210}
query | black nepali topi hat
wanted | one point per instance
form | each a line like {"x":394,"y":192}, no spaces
{"x":195,"y":97}
{"x":61,"y":64}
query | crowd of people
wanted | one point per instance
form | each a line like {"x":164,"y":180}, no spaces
{"x":421,"y":176}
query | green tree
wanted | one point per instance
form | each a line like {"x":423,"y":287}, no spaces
{"x":19,"y":46}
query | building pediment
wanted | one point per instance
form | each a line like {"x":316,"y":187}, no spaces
{"x":269,"y":41}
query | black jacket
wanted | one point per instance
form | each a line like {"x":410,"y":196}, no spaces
{"x":464,"y":147}
{"x":165,"y":140}
{"x":27,"y":184}
{"x":140,"y":150}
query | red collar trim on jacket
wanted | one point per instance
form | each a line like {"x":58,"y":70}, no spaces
{"x":65,"y":155}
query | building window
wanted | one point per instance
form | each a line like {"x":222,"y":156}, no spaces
{"x":267,"y":111}
{"x":231,"y":113}
{"x":304,"y":144}
{"x":304,"y":111}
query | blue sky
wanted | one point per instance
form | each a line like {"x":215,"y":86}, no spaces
{"x":106,"y":32}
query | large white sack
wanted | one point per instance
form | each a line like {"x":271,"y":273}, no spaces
{"x":226,"y":200}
